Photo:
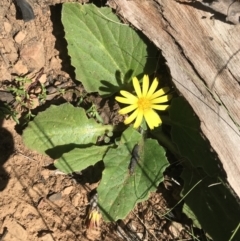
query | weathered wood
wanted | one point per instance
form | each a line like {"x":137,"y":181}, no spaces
{"x":203,"y":55}
{"x":229,"y":8}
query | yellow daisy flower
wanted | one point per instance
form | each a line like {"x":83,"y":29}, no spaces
{"x":145,"y":103}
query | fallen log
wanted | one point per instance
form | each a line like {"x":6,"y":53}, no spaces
{"x":202,"y":52}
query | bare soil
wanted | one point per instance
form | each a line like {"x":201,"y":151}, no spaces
{"x":37,"y":203}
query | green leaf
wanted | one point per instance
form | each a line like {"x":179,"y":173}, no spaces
{"x":212,"y":203}
{"x":191,"y":215}
{"x":119,"y":191}
{"x":131,"y":137}
{"x":80,"y":158}
{"x":105,"y":53}
{"x":60,"y":129}
{"x":186,"y":134}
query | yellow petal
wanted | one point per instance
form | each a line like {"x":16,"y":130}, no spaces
{"x":94,"y":218}
{"x":160,"y":92}
{"x":161,"y":99}
{"x":147,"y":117}
{"x":150,"y":125}
{"x":128,"y":95}
{"x":137,"y":87}
{"x":131,"y":117}
{"x":123,"y":100}
{"x":127,"y":109}
{"x":138,"y":119}
{"x":160,"y":107}
{"x":152,"y":119}
{"x":152,"y":88}
{"x":145,"y":85}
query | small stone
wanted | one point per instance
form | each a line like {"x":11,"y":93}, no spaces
{"x":55,"y":197}
{"x":67,"y":190}
{"x":9,"y":46}
{"x":34,"y":103}
{"x":37,"y":90}
{"x":4,"y":73}
{"x":43,"y":79}
{"x":45,"y":173}
{"x":76,"y":200}
{"x":47,"y":237}
{"x":57,"y":82}
{"x":19,"y":68}
{"x":12,"y":58}
{"x":7,"y":27}
{"x":66,"y":75}
{"x":20,"y":36}
{"x":55,"y":63}
{"x":175,"y":229}
{"x":33,"y":55}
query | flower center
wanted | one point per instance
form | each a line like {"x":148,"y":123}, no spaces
{"x":144,"y":103}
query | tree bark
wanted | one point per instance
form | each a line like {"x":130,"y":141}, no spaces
{"x":203,"y":55}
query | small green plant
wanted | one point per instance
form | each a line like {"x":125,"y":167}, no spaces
{"x":6,"y":112}
{"x":22,"y":97}
{"x":43,"y":95}
{"x":25,"y":100}
{"x":135,"y":159}
{"x":93,"y":113}
{"x":20,"y":91}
